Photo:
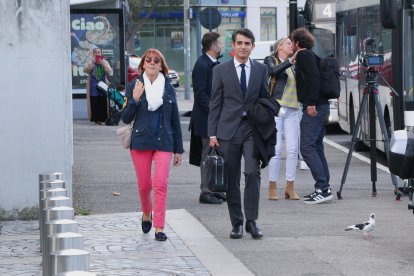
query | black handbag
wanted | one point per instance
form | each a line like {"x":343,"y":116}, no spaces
{"x":216,"y":168}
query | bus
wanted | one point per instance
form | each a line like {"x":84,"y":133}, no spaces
{"x":391,"y":27}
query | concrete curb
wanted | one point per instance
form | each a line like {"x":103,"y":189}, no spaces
{"x":211,"y":253}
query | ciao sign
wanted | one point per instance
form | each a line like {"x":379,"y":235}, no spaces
{"x":82,"y":24}
{"x":89,"y":29}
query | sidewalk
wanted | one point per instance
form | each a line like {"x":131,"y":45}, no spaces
{"x":183,"y":104}
{"x":118,"y":247}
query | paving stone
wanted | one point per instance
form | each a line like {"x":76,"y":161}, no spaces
{"x":115,"y":242}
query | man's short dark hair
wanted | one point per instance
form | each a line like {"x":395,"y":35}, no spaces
{"x":208,"y":40}
{"x":243,"y":31}
{"x":304,"y":37}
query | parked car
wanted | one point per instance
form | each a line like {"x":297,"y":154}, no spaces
{"x":133,"y":66}
{"x":175,"y":79}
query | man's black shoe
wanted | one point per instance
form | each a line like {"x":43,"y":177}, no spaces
{"x":209,"y":199}
{"x":221,"y":196}
{"x":236,"y":232}
{"x":252,"y":228}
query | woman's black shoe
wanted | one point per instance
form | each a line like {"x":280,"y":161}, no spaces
{"x":160,"y":236}
{"x":146,"y":225}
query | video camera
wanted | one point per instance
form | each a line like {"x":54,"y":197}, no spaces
{"x":371,"y":57}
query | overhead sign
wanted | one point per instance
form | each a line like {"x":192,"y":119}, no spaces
{"x":233,"y":14}
{"x":324,"y":11}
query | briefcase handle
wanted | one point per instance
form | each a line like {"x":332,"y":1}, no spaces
{"x":214,"y":151}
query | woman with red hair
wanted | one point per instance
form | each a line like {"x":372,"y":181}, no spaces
{"x":156,"y":136}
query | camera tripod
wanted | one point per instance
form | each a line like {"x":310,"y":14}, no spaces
{"x":371,"y":92}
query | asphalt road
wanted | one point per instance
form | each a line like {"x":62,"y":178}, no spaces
{"x":337,"y":135}
{"x":298,"y":239}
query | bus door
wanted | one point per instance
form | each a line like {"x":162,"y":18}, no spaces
{"x":347,"y":51}
{"x":341,"y":55}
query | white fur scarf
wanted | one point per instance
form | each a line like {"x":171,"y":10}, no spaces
{"x":154,"y":91}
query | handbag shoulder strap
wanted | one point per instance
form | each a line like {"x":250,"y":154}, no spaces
{"x":273,"y":79}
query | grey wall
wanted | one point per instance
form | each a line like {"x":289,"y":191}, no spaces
{"x":36,"y":108}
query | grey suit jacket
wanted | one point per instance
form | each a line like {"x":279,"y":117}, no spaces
{"x":227,"y":102}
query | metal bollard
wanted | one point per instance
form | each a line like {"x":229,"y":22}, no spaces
{"x":69,"y":260}
{"x":50,"y":184}
{"x":76,"y":273}
{"x":58,"y":212}
{"x":66,"y":240}
{"x":50,"y":176}
{"x":62,"y":241}
{"x":57,"y":201}
{"x":44,"y":195}
{"x":54,"y":213}
{"x":45,"y":178}
{"x":53,"y":227}
{"x":45,"y":185}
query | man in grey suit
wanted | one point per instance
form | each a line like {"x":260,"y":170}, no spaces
{"x":235,"y":87}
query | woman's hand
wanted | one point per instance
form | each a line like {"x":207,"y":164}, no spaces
{"x":177,"y":159}
{"x":138,"y":90}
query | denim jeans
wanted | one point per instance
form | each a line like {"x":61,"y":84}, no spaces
{"x":312,"y":131}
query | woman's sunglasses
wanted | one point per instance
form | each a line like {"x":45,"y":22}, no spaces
{"x":155,"y":59}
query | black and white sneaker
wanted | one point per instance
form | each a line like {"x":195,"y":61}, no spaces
{"x":310,"y":195}
{"x":319,"y":197}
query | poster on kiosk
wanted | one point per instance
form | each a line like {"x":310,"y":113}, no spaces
{"x":91,"y":28}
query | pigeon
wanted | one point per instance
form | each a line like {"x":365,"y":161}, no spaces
{"x":365,"y":227}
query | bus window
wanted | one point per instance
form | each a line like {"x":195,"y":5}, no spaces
{"x":408,"y":58}
{"x":324,"y":42}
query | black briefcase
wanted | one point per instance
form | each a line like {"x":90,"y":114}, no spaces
{"x":216,"y":168}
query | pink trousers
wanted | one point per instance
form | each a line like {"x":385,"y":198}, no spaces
{"x":142,"y":160}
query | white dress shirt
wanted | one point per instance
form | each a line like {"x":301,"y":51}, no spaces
{"x":212,"y":59}
{"x":247,"y":68}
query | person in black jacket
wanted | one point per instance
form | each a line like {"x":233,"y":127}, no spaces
{"x":283,"y":89}
{"x":202,"y":76}
{"x":315,"y":115}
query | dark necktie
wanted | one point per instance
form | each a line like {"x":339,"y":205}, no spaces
{"x":243,"y":79}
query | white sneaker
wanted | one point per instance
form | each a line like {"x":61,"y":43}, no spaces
{"x":303,"y":165}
